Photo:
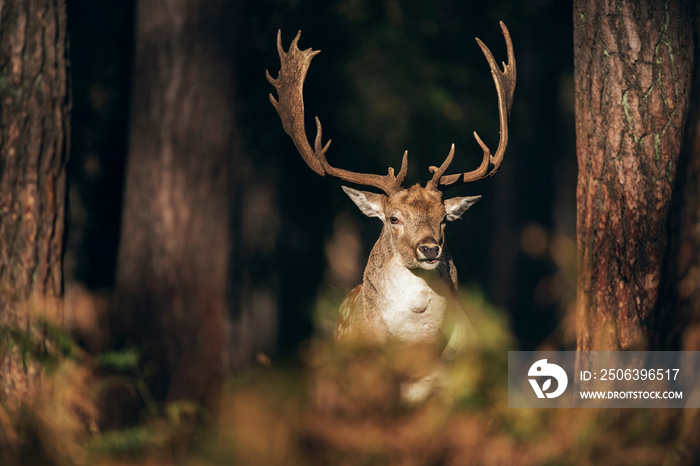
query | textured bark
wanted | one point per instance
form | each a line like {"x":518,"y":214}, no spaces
{"x":34,"y":112}
{"x":173,"y":265}
{"x":633,"y":63}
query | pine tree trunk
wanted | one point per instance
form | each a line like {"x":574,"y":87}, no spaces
{"x":679,"y":314}
{"x":633,"y":63}
{"x":34,"y":112}
{"x":680,"y":320}
{"x":174,"y":258}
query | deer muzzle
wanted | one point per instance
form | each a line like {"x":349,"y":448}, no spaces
{"x":428,"y":250}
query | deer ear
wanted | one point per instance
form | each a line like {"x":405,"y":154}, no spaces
{"x":371,"y":204}
{"x":456,"y":206}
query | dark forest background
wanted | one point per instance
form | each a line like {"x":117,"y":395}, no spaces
{"x":392,"y":76}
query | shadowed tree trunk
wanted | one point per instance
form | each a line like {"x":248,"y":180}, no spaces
{"x":687,"y":258}
{"x":680,"y":329}
{"x":34,"y":112}
{"x":174,"y":259}
{"x":679,"y":312}
{"x":633,"y":63}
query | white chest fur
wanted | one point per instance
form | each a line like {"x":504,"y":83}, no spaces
{"x":412,"y":310}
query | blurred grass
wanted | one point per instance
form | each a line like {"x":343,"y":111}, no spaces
{"x":337,"y":406}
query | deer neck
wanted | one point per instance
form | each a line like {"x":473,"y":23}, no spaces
{"x":410,"y":302}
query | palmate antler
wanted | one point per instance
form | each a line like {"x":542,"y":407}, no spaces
{"x":505,"y":86}
{"x":290,"y":107}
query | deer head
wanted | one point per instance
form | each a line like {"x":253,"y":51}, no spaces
{"x":414,"y":218}
{"x":414,"y":221}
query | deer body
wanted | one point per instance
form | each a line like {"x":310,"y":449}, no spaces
{"x":413,"y":306}
{"x":408,"y":294}
{"x":405,"y":296}
{"x":394,"y":304}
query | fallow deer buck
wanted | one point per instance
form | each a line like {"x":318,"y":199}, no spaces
{"x":408,"y":294}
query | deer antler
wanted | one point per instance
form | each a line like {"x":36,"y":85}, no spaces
{"x":505,"y":86}
{"x":290,"y":107}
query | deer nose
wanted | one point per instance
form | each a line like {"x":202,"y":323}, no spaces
{"x":428,"y":250}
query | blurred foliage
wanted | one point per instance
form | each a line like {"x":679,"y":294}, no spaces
{"x":49,"y":350}
{"x":340,"y":406}
{"x":122,"y":361}
{"x":51,"y":422}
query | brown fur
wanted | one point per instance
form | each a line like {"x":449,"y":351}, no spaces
{"x":421,"y":213}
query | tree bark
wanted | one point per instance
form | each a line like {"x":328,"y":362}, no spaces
{"x":174,"y":259}
{"x":34,"y":112}
{"x":633,"y":63}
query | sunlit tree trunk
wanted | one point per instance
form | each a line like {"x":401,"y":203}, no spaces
{"x":633,"y":63}
{"x":34,"y":113}
{"x":174,"y":259}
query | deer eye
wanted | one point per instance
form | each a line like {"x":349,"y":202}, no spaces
{"x":394,"y":220}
